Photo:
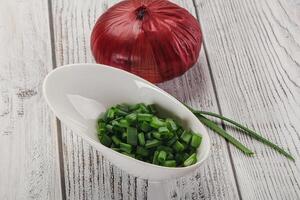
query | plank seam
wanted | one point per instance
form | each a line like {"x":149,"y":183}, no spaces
{"x":218,"y":106}
{"x":58,"y":124}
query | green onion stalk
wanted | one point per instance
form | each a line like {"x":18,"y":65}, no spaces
{"x":201,"y":115}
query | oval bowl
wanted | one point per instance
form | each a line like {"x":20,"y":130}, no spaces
{"x":79,"y":93}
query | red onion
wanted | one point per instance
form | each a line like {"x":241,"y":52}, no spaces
{"x":154,"y":39}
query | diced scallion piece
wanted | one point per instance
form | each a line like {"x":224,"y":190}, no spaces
{"x":143,"y":108}
{"x":149,"y":135}
{"x":196,"y":140}
{"x":156,"y":122}
{"x":155,"y":161}
{"x":131,"y":117}
{"x":178,"y":146}
{"x":179,"y":132}
{"x":109,"y":127}
{"x":145,"y":126}
{"x":133,"y":107}
{"x":123,"y":107}
{"x":152,"y":109}
{"x":190,"y":160}
{"x":125,"y":147}
{"x":110,"y":113}
{"x":170,"y":163}
{"x":141,"y":138}
{"x":116,"y":140}
{"x":152,"y":143}
{"x":144,"y":117}
{"x":142,"y":151}
{"x":132,"y":136}
{"x":120,"y":112}
{"x":171,"y":124}
{"x":165,"y":148}
{"x":156,"y":135}
{"x":170,"y":156}
{"x":124,"y":135}
{"x":105,"y":140}
{"x":124,"y":123}
{"x":186,"y":136}
{"x":185,"y":156}
{"x":162,"y":156}
{"x":172,"y":140}
{"x":163,"y":130}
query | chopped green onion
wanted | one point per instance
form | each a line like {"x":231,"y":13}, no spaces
{"x":156,"y":123}
{"x":185,"y":156}
{"x":162,"y":156}
{"x":196,"y":140}
{"x":165,"y":148}
{"x":163,"y":130}
{"x":170,"y":163}
{"x":101,"y":128}
{"x":156,"y":135}
{"x":131,"y":117}
{"x":109,"y":127}
{"x":171,"y":124}
{"x":132,"y":136}
{"x":179,"y":132}
{"x":172,"y":140}
{"x":142,"y":151}
{"x":190,"y":160}
{"x":137,"y":131}
{"x":139,"y":157}
{"x":133,"y":107}
{"x":118,"y":129}
{"x":170,"y":156}
{"x":144,"y":117}
{"x":178,"y":146}
{"x":124,"y":123}
{"x":155,"y":161}
{"x":149,"y":135}
{"x":124,"y":135}
{"x":110,"y":113}
{"x":179,"y":157}
{"x":152,"y":143}
{"x":120,"y":112}
{"x":125,"y":147}
{"x":115,"y":140}
{"x":123,"y":107}
{"x":105,"y":140}
{"x":141,"y":139}
{"x":143,"y":108}
{"x":186,"y":136}
{"x":152,"y":109}
{"x":145,"y":126}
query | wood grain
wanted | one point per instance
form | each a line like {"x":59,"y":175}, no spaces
{"x":87,"y":174}
{"x":254,"y":53}
{"x":29,"y":166}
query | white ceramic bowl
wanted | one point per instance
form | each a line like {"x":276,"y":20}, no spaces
{"x":79,"y":93}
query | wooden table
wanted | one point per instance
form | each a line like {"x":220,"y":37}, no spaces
{"x":249,"y":69}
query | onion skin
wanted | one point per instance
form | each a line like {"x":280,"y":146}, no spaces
{"x":154,"y":39}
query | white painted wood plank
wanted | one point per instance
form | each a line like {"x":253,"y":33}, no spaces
{"x":28,"y":146}
{"x":73,"y":21}
{"x":254,"y":53}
